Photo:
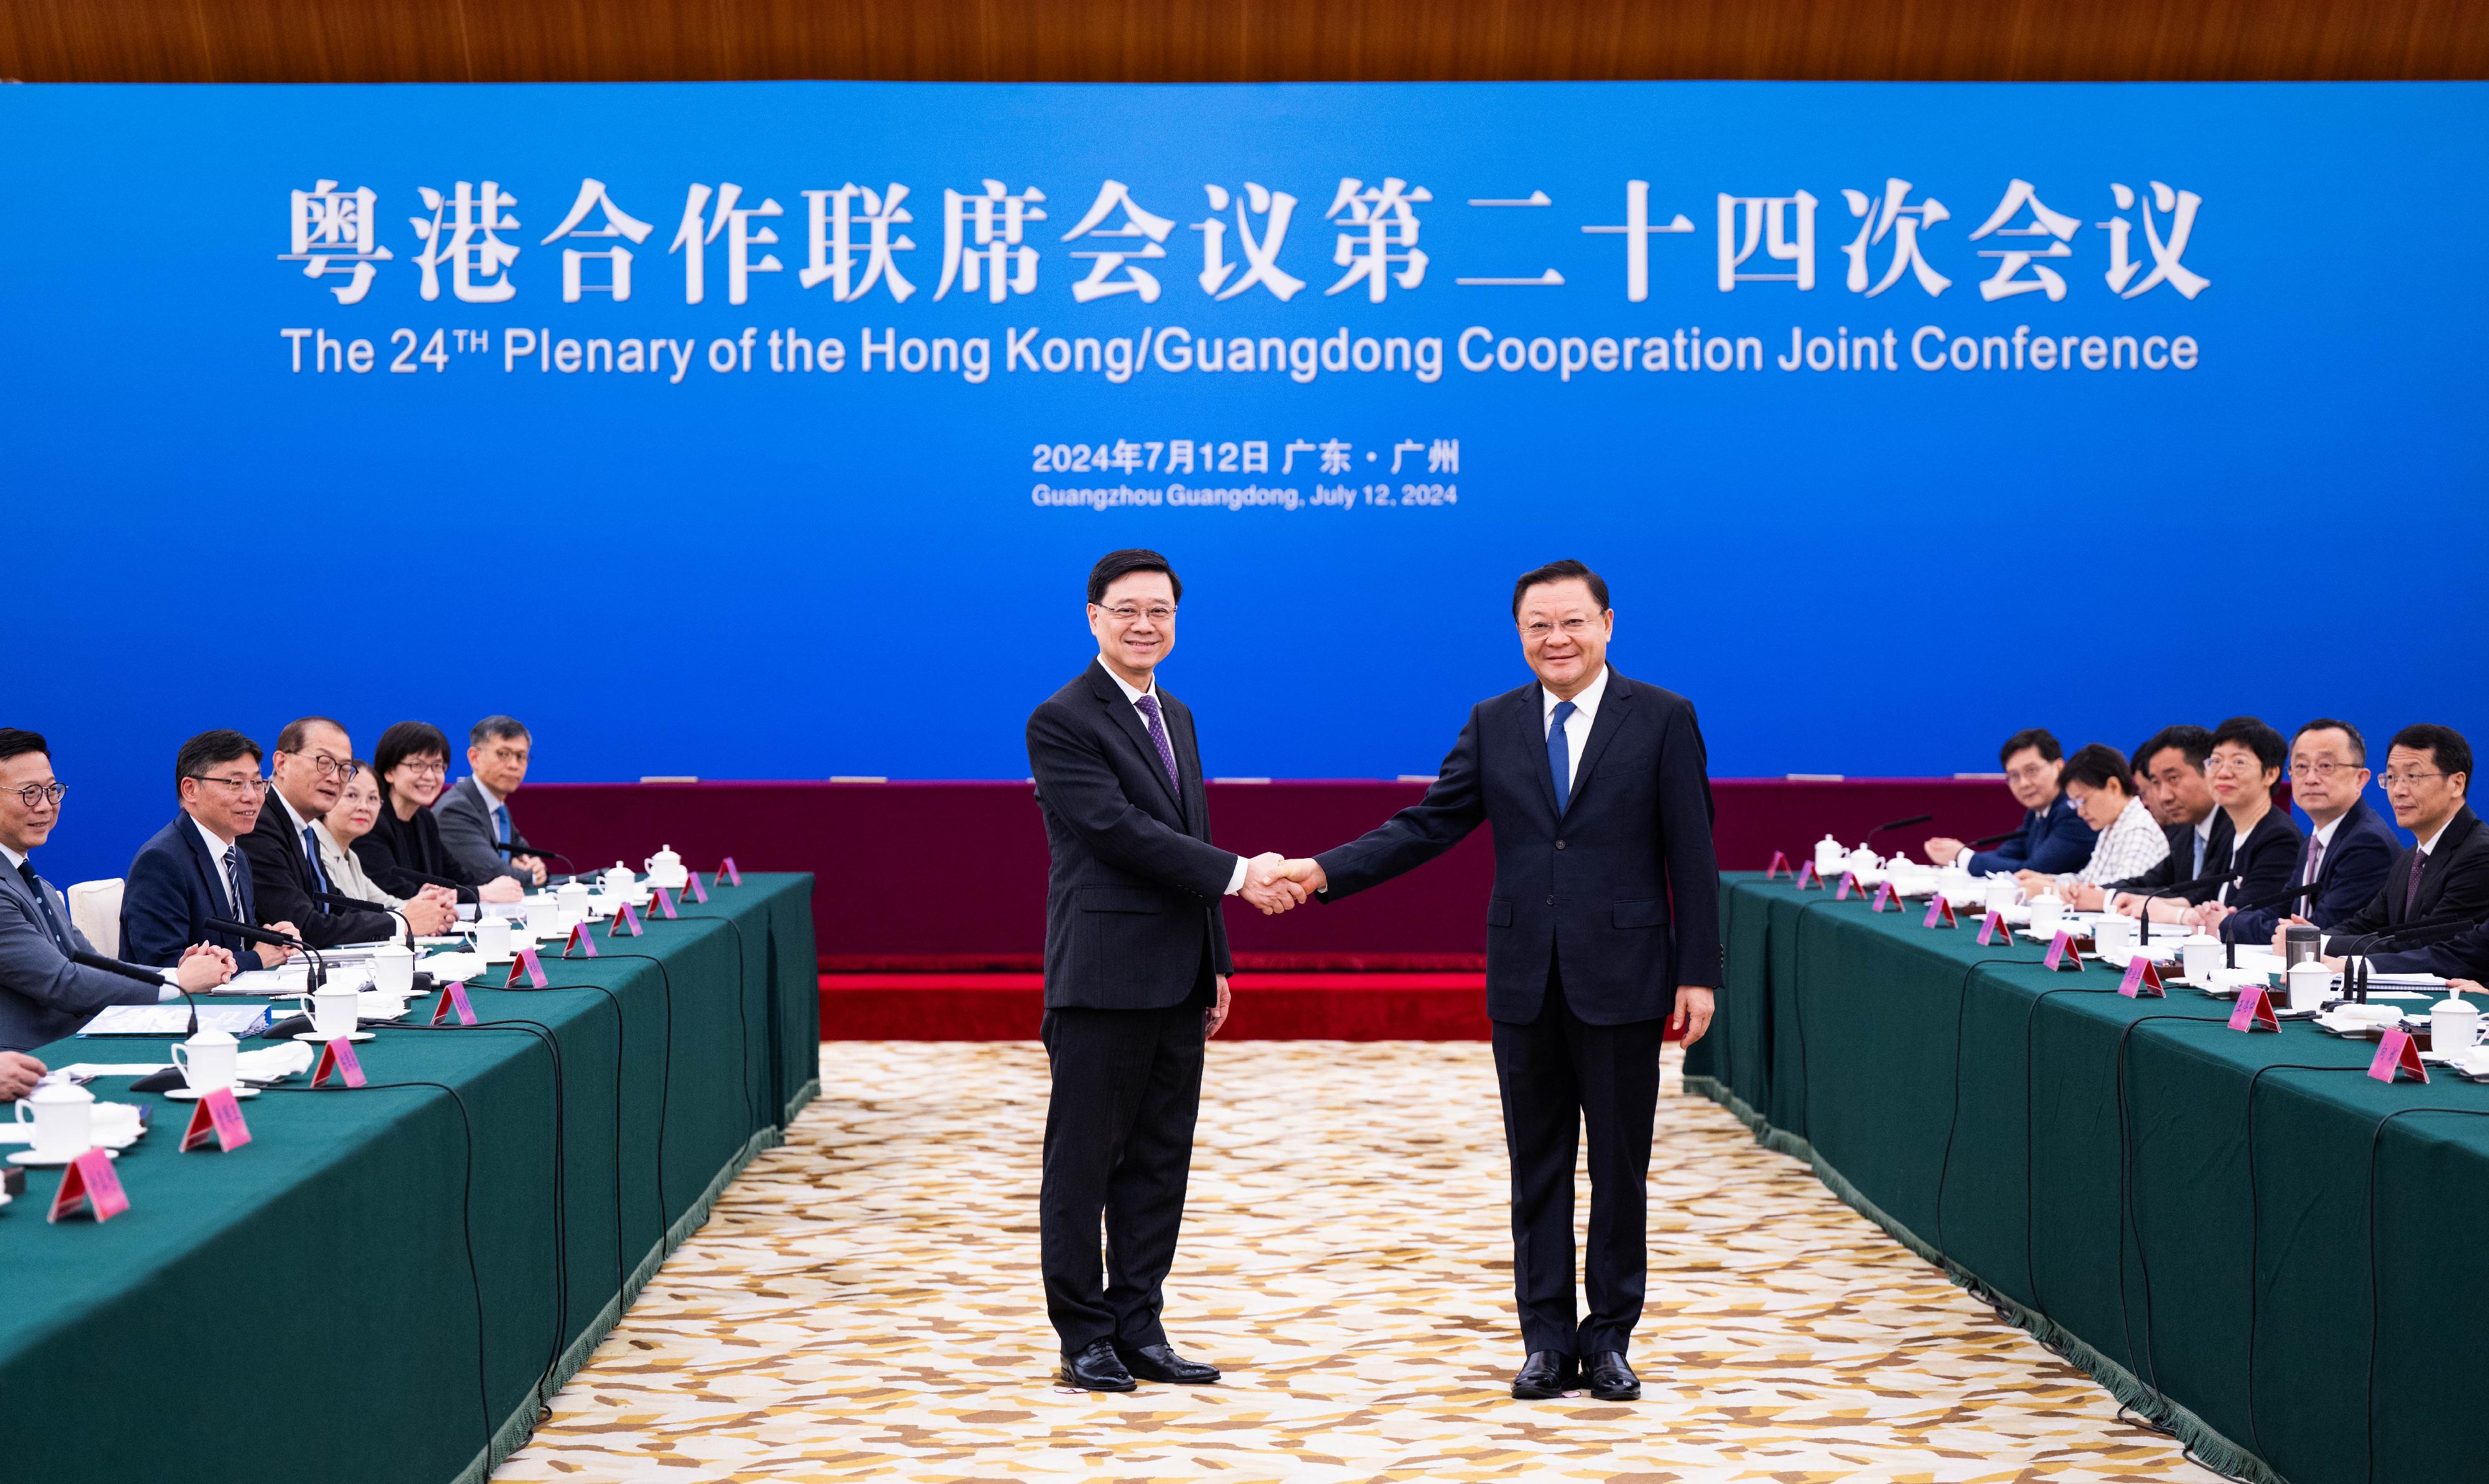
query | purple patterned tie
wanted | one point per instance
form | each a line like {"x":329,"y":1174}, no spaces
{"x":1148,"y":705}
{"x":2410,"y":887}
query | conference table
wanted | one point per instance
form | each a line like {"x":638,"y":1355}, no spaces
{"x":2242,"y":1234}
{"x":388,"y":1281}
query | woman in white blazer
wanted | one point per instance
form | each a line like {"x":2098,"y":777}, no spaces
{"x":358,"y":804}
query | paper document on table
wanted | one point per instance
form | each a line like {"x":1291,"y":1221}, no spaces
{"x":263,"y":982}
{"x":236,"y":1020}
{"x":109,"y":1069}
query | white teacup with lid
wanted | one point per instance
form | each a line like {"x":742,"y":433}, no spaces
{"x":2048,"y":911}
{"x":62,"y":1114}
{"x":2198,"y":955}
{"x":1828,"y":856}
{"x":206,"y":1060}
{"x":2308,"y":982}
{"x":2454,"y":1027}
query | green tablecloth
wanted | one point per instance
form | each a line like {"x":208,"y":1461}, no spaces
{"x":2293,"y":1281}
{"x":302,"y":1308}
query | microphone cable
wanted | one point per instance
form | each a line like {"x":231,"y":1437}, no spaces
{"x":466,"y":1228}
{"x":665,"y":1083}
{"x":2148,"y":1373}
{"x":560,"y":1183}
{"x":1944,"y":1163}
{"x":620,"y":1046}
{"x":742,"y":1009}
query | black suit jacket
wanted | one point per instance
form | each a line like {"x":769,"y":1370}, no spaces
{"x":173,"y":888}
{"x":1624,"y":885}
{"x":2453,"y":881}
{"x":2179,"y":865}
{"x":2346,"y":879}
{"x":397,"y":854}
{"x":1133,"y":885}
{"x":282,"y":877}
{"x":2264,"y":863}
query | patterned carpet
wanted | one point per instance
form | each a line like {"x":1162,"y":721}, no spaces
{"x":864,"y":1305}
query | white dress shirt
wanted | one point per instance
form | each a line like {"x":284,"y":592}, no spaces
{"x":1577,"y":727}
{"x":172,"y":975}
{"x":1236,"y":878}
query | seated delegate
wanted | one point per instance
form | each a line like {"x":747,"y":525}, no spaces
{"x":2127,"y":841}
{"x":2169,"y":773}
{"x":404,"y":850}
{"x":2444,"y":873}
{"x":194,"y":869}
{"x":358,"y":804}
{"x":474,"y":814}
{"x":313,"y":757}
{"x":2052,"y":838}
{"x":2256,"y":860}
{"x":45,"y":994}
{"x":2348,"y":846}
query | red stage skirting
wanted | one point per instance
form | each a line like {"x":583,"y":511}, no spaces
{"x":950,"y":878}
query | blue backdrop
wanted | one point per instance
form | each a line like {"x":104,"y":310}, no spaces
{"x":1870,"y":485}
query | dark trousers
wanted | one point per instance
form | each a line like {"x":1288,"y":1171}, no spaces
{"x":1118,"y":1145}
{"x":1558,"y":1075}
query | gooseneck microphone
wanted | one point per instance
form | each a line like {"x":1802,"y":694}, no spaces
{"x":2144,"y":910}
{"x":521,"y":847}
{"x":144,"y":976}
{"x":1895,"y":824}
{"x":319,"y":971}
{"x":2275,"y":899}
{"x":358,"y":903}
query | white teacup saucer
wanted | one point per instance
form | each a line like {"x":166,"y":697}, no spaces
{"x":315,"y":1035}
{"x":193,"y":1095}
{"x":27,"y":1157}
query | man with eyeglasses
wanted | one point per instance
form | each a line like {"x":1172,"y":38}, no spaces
{"x":45,"y":994}
{"x":2446,"y":873}
{"x":2348,"y":848}
{"x":314,"y":757}
{"x":195,"y":869}
{"x":475,"y":812}
{"x":2053,"y":840}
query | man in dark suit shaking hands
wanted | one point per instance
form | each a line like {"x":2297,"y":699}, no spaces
{"x":1136,"y":969}
{"x":1603,"y":929}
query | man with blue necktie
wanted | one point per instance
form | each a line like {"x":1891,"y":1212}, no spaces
{"x":1603,"y":933}
{"x":475,"y":812}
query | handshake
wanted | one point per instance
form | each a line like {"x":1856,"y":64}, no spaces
{"x":1275,"y":883}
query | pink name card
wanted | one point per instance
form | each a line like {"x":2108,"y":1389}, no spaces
{"x":2397,"y":1054}
{"x":659,"y":904}
{"x":693,"y":889}
{"x":1848,"y":880}
{"x":454,"y":1001}
{"x":625,"y":923}
{"x":90,"y":1183}
{"x":338,"y":1057}
{"x":1780,"y":862}
{"x":581,"y":941}
{"x":2142,"y":978}
{"x":525,"y":965}
{"x":1885,"y":897}
{"x":1806,"y":876}
{"x":1940,"y":914}
{"x":2061,"y":952}
{"x":727,"y":874}
{"x":217,"y":1118}
{"x":2254,"y":1011}
{"x":1992,"y":928}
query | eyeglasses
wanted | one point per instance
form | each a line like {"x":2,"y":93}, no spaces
{"x":433,"y":769}
{"x":1125,"y":612}
{"x":36,"y":795}
{"x":327,"y":766}
{"x":2322,"y":771}
{"x":2392,"y":779}
{"x":253,"y":785}
{"x":1573,"y":628}
{"x":2217,"y":764}
{"x":2030,"y":775}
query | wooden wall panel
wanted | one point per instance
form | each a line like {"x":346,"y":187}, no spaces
{"x":1204,"y":41}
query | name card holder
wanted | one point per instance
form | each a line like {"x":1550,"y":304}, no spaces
{"x":89,"y":1187}
{"x":453,"y":999}
{"x":2143,"y":979}
{"x":1848,"y":883}
{"x":1885,"y":897}
{"x":2397,"y":1054}
{"x":337,"y":1058}
{"x":2062,"y":956}
{"x":217,"y":1118}
{"x":659,"y":904}
{"x":526,"y":964}
{"x":1993,"y":932}
{"x":625,"y":923}
{"x":582,"y":941}
{"x":1940,"y":914}
{"x":1780,"y":862}
{"x":2254,"y":1011}
{"x":693,"y":891}
{"x":1806,"y":876}
{"x":727,"y":874}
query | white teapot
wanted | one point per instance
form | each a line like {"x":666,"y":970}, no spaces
{"x":1867,"y":866}
{"x":618,"y":882}
{"x":665,"y":869}
{"x":1828,"y":856}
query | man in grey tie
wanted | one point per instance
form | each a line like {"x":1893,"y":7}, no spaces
{"x":475,"y":812}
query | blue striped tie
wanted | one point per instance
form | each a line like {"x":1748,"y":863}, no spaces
{"x":1560,"y":754}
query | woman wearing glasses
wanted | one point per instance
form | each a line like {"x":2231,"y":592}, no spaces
{"x":404,"y":852}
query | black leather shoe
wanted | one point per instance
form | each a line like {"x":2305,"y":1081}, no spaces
{"x":1160,"y":1362}
{"x":1611,"y":1379}
{"x":1095,"y":1369}
{"x":1544,"y":1374}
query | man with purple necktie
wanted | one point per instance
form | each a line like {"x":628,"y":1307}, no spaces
{"x":1136,"y":969}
